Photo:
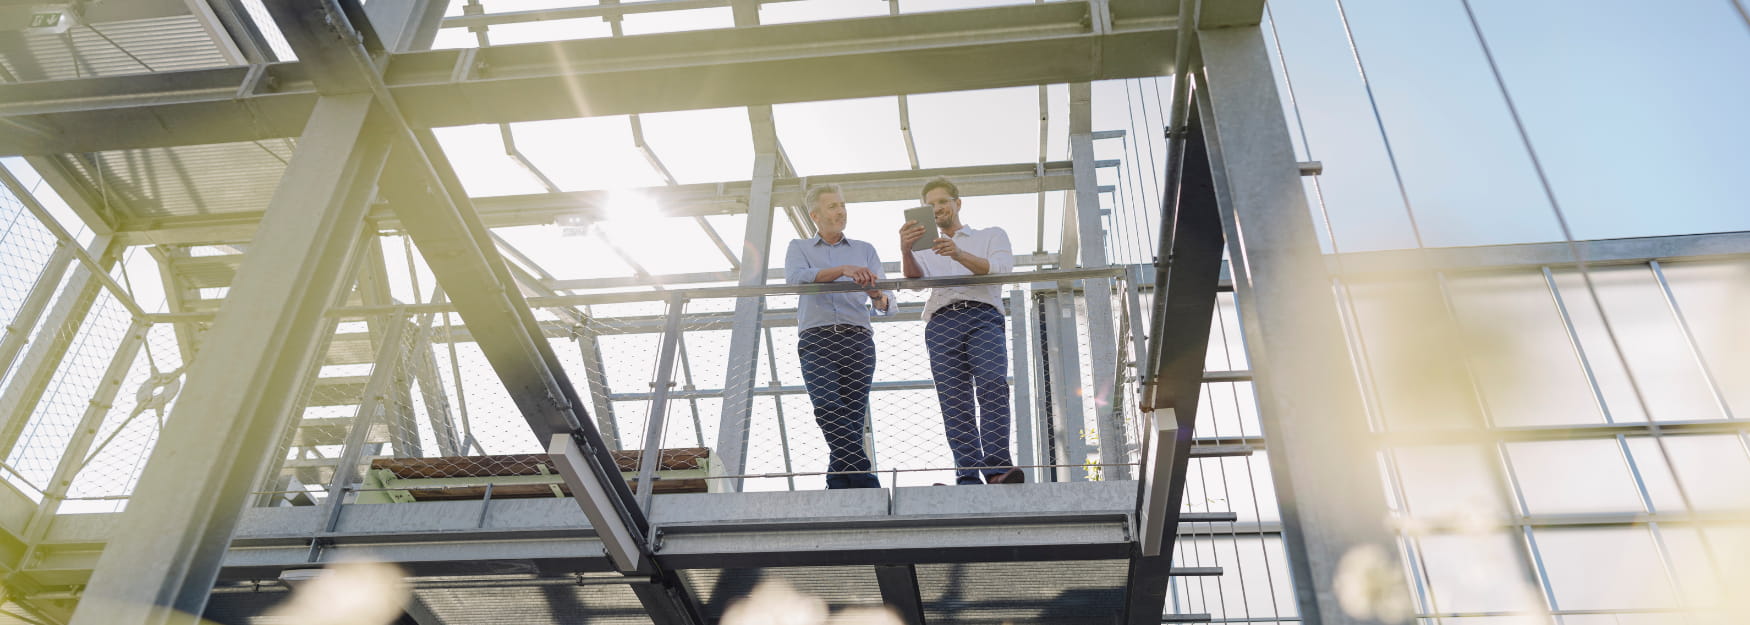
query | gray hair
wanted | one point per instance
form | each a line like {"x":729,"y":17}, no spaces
{"x":814,"y":193}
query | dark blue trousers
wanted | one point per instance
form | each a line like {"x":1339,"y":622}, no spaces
{"x":969,"y":361}
{"x":837,"y":369}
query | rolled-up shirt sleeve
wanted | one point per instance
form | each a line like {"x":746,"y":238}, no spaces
{"x":796,"y":267}
{"x":1001,"y":256}
{"x":873,"y":262}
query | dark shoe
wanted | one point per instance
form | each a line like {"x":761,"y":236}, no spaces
{"x":1011,"y":476}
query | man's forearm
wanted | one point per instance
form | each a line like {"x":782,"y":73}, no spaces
{"x":829,"y":274}
{"x":909,"y":264}
{"x":978,"y":266}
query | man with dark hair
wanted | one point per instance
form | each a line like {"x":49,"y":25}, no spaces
{"x":834,"y":340}
{"x":964,"y":334}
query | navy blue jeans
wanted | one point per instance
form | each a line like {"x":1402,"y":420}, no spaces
{"x":837,"y":368}
{"x":970,"y":364}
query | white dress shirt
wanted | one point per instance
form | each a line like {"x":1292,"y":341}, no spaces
{"x":991,"y":244}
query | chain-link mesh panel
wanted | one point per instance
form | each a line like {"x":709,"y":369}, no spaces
{"x":56,"y":404}
{"x":941,"y":404}
{"x":408,"y":407}
{"x":133,"y":412}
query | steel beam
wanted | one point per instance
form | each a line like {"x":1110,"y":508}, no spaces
{"x":186,"y":505}
{"x":852,"y":58}
{"x":1185,"y":293}
{"x":1324,"y":465}
{"x":73,"y":458}
{"x":17,"y":332}
{"x":899,"y":590}
{"x":1097,"y":292}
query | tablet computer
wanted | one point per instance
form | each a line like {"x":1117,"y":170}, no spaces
{"x":926,"y":217}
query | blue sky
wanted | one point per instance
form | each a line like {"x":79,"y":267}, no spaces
{"x":1637,"y":113}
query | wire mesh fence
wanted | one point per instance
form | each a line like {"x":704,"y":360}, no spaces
{"x":732,"y":389}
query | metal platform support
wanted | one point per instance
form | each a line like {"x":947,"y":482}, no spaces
{"x":1188,"y":269}
{"x":1323,"y":462}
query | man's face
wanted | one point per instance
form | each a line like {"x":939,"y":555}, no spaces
{"x":947,"y":207}
{"x":828,"y":214}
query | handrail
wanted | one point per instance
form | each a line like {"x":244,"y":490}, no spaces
{"x":1055,"y":275}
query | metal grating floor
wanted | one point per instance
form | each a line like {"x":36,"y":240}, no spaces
{"x":1058,"y":593}
{"x":839,"y":586}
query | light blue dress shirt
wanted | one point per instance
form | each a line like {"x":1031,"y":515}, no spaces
{"x":804,"y":261}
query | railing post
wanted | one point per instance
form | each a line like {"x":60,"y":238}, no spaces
{"x":657,"y":418}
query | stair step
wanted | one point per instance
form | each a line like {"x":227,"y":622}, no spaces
{"x":1195,"y":571}
{"x":1221,"y":451}
{"x":338,"y":391}
{"x":1208,"y":517}
{"x":332,"y":431}
{"x":207,"y":272}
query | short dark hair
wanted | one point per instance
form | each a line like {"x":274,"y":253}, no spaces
{"x":941,"y":182}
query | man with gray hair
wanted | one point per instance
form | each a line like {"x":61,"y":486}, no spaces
{"x":834,"y":340}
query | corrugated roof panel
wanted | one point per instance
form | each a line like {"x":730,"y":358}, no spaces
{"x":108,"y":49}
{"x":192,"y":180}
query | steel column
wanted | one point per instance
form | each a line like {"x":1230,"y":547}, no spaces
{"x":1023,"y":370}
{"x":1096,"y":292}
{"x":1325,"y":464}
{"x":239,"y":396}
{"x":656,"y":420}
{"x":744,"y":335}
{"x":84,"y":435}
{"x":1068,"y":422}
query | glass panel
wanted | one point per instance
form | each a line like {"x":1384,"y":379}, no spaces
{"x":1713,"y":296}
{"x":1604,"y":568}
{"x":674,"y":21}
{"x":815,"y":10}
{"x":1424,"y":63}
{"x":1700,"y":566}
{"x":1452,"y":484}
{"x":1254,"y":583}
{"x":1227,"y":410}
{"x":1227,"y":347}
{"x":1235,"y":484}
{"x":1411,"y":347}
{"x":1559,"y":477}
{"x":864,"y":136}
{"x":1477,"y":573}
{"x":674,"y":137}
{"x":1519,"y":351}
{"x":1658,"y":358}
{"x":1366,"y":212}
{"x":1565,"y":68}
{"x":1713,"y":469}
{"x":987,"y":127}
